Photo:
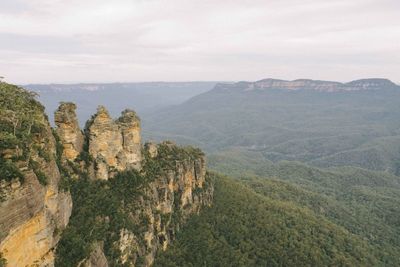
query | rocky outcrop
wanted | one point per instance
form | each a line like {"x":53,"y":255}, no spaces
{"x":147,"y":198}
{"x":33,"y":210}
{"x":172,"y":182}
{"x":151,"y":149}
{"x":96,"y":258}
{"x":68,"y":130}
{"x":114,"y":145}
{"x":167,"y":202}
{"x":305,"y":84}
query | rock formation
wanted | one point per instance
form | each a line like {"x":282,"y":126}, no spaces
{"x":167,"y":202}
{"x":96,"y":259}
{"x":151,"y":149}
{"x":33,"y":209}
{"x":68,"y":130}
{"x":165,"y":186}
{"x":114,"y":145}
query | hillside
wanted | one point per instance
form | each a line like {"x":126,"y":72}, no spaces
{"x":245,"y":228}
{"x":34,"y":208}
{"x":324,"y":124}
{"x":100,"y":197}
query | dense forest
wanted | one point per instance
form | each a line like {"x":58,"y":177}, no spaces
{"x":324,"y":129}
{"x":301,"y":179}
{"x":335,"y":155}
{"x":263,"y":223}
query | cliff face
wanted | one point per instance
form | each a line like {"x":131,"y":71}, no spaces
{"x":33,"y":209}
{"x":152,"y":191}
{"x":168,"y":201}
{"x":114,"y":145}
{"x":305,"y":84}
{"x":68,"y":130}
{"x":129,"y":200}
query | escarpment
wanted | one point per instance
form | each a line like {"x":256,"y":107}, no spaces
{"x":96,"y":197}
{"x":33,"y":209}
{"x":312,"y":85}
{"x":134,"y":198}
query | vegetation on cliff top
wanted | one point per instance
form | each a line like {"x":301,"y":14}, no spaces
{"x":98,"y":215}
{"x":22,"y":124}
{"x":102,"y":208}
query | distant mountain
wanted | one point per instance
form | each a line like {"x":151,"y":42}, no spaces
{"x":322,"y":123}
{"x":305,"y":84}
{"x":143,"y":97}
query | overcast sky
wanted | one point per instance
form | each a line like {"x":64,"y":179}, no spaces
{"x":65,"y":41}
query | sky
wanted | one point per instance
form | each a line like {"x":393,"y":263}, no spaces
{"x":70,"y":41}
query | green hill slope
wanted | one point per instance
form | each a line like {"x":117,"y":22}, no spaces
{"x":357,"y":128}
{"x":364,"y":202}
{"x":244,"y":228}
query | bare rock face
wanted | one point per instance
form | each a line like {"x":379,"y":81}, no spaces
{"x":167,"y":203}
{"x":33,"y":213}
{"x":96,"y":258}
{"x":151,"y":148}
{"x":114,"y":145}
{"x":129,"y":126}
{"x":68,"y":130}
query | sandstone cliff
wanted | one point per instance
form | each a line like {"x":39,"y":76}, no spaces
{"x":179,"y":191}
{"x":33,"y":209}
{"x":114,"y":145}
{"x":68,"y":130}
{"x":129,"y":200}
{"x":144,"y":193}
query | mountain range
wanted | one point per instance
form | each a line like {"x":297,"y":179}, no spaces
{"x":295,"y":173}
{"x":324,"y":128}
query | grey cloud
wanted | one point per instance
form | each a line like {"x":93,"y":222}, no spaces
{"x":61,"y":41}
{"x":41,"y":44}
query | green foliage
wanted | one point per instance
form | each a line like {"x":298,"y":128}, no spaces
{"x":244,"y":228}
{"x":21,"y":121}
{"x":365,"y":203}
{"x":9,"y":171}
{"x":358,"y":128}
{"x":99,"y":214}
{"x":3,"y":262}
{"x":85,"y":157}
{"x":41,"y":176}
{"x":44,"y":154}
{"x":102,"y":208}
{"x":65,"y":181}
{"x":167,"y":157}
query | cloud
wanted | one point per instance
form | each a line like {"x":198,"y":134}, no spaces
{"x":138,"y":40}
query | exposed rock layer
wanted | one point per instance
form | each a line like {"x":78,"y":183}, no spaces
{"x":68,"y":130}
{"x":305,"y":84}
{"x":33,"y":212}
{"x":32,"y":215}
{"x":168,"y":202}
{"x":114,"y":145}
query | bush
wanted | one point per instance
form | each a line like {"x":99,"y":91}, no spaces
{"x":3,"y":262}
{"x":8,"y":171}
